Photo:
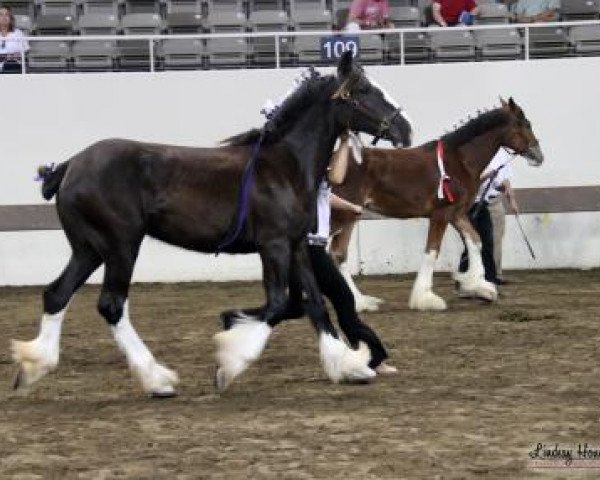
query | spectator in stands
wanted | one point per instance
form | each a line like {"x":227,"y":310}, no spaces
{"x":448,"y":13}
{"x":365,"y":14}
{"x":533,"y":11}
{"x":11,"y":42}
{"x":495,"y":179}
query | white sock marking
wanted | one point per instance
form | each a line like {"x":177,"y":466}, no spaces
{"x":155,"y":378}
{"x":343,"y":363}
{"x":238,"y":347}
{"x":422,"y":296}
{"x":39,"y":356}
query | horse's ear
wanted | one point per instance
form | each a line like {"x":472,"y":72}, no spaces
{"x":502,"y":101}
{"x":512,"y":104}
{"x":345,"y":64}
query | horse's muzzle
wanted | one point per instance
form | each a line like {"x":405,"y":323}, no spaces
{"x":534,"y":156}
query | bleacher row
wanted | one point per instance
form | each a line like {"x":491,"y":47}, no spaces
{"x":48,"y":18}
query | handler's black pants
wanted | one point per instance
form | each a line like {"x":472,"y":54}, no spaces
{"x":482,"y":222}
{"x":334,"y":287}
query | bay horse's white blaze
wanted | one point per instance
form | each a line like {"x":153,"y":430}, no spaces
{"x":39,"y":356}
{"x":363,"y":303}
{"x":238,"y":347}
{"x":472,"y":282}
{"x":342,"y":363}
{"x":156,"y":379}
{"x":422,"y":296}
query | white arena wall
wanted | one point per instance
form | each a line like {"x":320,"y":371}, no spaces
{"x":47,"y":118}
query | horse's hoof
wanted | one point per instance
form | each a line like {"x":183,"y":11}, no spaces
{"x":222,"y":380}
{"x":166,"y":394}
{"x":427,"y":301}
{"x":365,"y":303}
{"x":19,"y":380}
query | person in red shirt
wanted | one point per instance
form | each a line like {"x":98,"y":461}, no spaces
{"x":448,"y":13}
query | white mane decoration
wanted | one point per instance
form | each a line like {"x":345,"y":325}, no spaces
{"x":271,"y":105}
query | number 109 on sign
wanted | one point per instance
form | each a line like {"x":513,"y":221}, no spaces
{"x":333,"y":47}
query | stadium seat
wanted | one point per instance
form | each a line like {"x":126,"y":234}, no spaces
{"x":57,"y":8}
{"x":548,"y":42}
{"x":133,"y":55}
{"x":45,"y":56}
{"x":219,"y":21}
{"x":21,"y":7}
{"x":307,"y":50}
{"x":370,"y":49}
{"x":226,"y":6}
{"x":263,"y":48}
{"x":23,"y":23}
{"x":54,"y":25}
{"x":184,"y":22}
{"x":177,"y":53}
{"x":310,"y":15}
{"x":110,"y":7}
{"x":579,"y":9}
{"x":265,"y":5}
{"x":227,"y":52}
{"x":401,"y":17}
{"x":94,"y":55}
{"x":184,"y":6}
{"x":142,"y":6}
{"x":585,"y":39}
{"x":98,"y":24}
{"x":499,"y":44}
{"x":141,"y":24}
{"x":452,"y":45}
{"x":492,"y":13}
{"x":303,"y":20}
{"x":405,"y":17}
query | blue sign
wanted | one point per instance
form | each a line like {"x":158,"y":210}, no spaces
{"x":333,"y":47}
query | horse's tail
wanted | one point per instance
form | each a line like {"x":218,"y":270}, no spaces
{"x":51,"y":178}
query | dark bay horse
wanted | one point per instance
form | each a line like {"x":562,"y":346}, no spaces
{"x":404,"y":183}
{"x":115,"y":192}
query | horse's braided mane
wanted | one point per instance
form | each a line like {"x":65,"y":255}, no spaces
{"x":285,"y":114}
{"x":474,"y":127}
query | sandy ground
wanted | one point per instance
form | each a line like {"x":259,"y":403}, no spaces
{"x":479,"y":387}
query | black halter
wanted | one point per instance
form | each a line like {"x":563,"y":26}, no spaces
{"x":344,"y":93}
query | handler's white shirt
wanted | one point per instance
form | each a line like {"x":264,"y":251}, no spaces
{"x":13,"y":43}
{"x":501,"y":159}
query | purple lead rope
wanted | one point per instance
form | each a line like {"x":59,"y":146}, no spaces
{"x":243,"y":198}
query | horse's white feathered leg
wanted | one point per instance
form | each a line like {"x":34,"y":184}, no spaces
{"x":363,"y":302}
{"x":39,"y":356}
{"x":238,"y":347}
{"x":422,"y":296}
{"x":156,"y":379}
{"x":473,"y":282}
{"x":342,"y":363}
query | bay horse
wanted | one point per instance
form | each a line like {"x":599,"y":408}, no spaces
{"x":404,"y":183}
{"x":115,"y":192}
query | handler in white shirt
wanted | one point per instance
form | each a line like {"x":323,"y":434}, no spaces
{"x":498,"y":172}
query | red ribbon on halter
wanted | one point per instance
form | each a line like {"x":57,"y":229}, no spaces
{"x":445,"y":180}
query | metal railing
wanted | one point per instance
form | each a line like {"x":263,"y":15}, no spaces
{"x":284,"y":37}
